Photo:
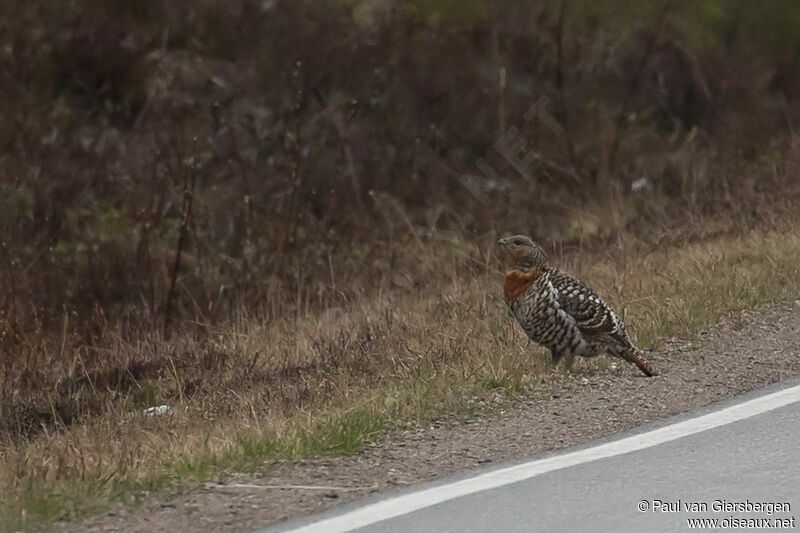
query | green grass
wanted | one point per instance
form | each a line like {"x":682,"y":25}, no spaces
{"x":340,"y":433}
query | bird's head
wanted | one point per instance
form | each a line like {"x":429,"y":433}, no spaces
{"x":523,"y":251}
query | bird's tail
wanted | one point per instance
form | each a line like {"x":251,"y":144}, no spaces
{"x":634,"y":356}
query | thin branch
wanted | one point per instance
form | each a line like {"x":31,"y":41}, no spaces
{"x":186,"y":211}
{"x":292,"y":149}
{"x":341,"y":123}
{"x":654,"y":33}
{"x":501,"y":82}
{"x":560,"y":86}
{"x":11,"y":263}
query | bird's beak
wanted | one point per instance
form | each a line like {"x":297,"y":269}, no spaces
{"x":502,"y":242}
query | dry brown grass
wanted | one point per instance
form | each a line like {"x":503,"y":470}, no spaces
{"x":326,"y":382}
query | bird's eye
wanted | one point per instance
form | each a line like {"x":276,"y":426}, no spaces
{"x":518,"y":242}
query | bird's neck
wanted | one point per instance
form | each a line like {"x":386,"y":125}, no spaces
{"x":518,"y":281}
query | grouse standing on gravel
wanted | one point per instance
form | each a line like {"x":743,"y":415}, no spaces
{"x":559,"y":311}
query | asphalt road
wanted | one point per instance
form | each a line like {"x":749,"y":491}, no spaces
{"x":734,"y":461}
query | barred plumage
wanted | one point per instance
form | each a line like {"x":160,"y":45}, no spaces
{"x":561,"y":312}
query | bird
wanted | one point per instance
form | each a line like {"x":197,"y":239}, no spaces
{"x":561,"y":312}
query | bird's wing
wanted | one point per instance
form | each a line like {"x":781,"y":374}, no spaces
{"x":593,"y":317}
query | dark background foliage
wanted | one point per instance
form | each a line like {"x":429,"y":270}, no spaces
{"x":164,"y":162}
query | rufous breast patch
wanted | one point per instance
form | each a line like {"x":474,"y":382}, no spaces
{"x":517,"y":282}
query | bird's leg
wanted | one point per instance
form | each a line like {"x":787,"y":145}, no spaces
{"x":569,"y":360}
{"x":556,"y":356}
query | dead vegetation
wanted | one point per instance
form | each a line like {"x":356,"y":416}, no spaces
{"x":278,"y":218}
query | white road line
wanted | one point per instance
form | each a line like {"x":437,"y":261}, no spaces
{"x":408,"y":503}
